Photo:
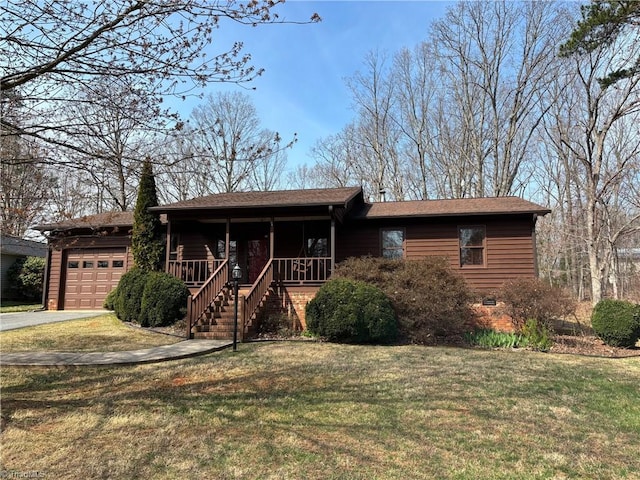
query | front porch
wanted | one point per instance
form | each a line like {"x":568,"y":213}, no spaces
{"x":263,"y":250}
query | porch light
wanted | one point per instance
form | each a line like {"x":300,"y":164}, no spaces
{"x":236,"y":274}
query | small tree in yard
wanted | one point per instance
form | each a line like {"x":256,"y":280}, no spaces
{"x":146,"y":241}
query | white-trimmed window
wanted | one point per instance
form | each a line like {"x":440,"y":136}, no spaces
{"x":392,"y":241}
{"x":472,"y":246}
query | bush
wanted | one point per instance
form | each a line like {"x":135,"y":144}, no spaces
{"x":26,"y":278}
{"x":616,"y":322}
{"x":164,"y":300}
{"x":353,"y":312}
{"x":428,"y":297}
{"x":110,"y":299}
{"x":537,"y":335}
{"x":128,"y":297}
{"x":531,"y":298}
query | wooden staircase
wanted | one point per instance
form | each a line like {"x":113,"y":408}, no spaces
{"x":211,"y":311}
{"x":217,"y":321}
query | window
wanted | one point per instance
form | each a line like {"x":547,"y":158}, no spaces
{"x":73,"y":264}
{"x":103,"y":263}
{"x":118,"y":263}
{"x":87,"y":264}
{"x":173,"y":246}
{"x":233,"y":251}
{"x":317,"y":247}
{"x":472,"y":246}
{"x":393,"y":243}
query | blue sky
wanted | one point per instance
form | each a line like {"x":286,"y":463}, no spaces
{"x":303,"y":87}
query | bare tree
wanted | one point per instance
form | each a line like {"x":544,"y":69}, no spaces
{"x":50,"y":50}
{"x":24,"y":186}
{"x":111,"y":123}
{"x":416,"y":88}
{"x":596,"y":131}
{"x":338,"y":160}
{"x":496,"y":58}
{"x":376,"y":129}
{"x":234,"y":151}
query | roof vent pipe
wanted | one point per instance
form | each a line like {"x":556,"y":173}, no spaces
{"x":383,"y":195}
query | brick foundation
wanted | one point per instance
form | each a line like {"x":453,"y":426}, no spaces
{"x":492,"y":317}
{"x":292,"y":302}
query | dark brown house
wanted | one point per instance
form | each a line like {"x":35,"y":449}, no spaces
{"x":286,"y":244}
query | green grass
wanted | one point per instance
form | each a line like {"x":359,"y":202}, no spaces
{"x":97,"y":334}
{"x":10,"y":306}
{"x":323,"y":411}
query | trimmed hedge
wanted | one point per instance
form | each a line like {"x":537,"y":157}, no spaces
{"x":352,"y":312}
{"x":164,"y":300}
{"x":152,"y":299}
{"x":128,"y":299}
{"x":616,"y":322}
{"x":429,"y":299}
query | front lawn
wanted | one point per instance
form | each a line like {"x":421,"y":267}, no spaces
{"x":11,"y":306}
{"x":322,"y":411}
{"x":97,"y":334}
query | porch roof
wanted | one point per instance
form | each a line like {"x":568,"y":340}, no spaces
{"x":339,"y":197}
{"x":448,"y":208}
{"x":100,"y":220}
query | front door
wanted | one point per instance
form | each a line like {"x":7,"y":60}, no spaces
{"x":257,"y":257}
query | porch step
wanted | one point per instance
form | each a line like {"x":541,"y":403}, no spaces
{"x":218,"y":321}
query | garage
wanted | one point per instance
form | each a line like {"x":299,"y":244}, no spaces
{"x":90,"y":274}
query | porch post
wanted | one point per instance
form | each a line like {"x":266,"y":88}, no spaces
{"x":271,"y":237}
{"x":168,"y":247}
{"x":227,"y":241}
{"x":333,"y":243}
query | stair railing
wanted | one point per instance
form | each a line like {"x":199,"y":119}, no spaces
{"x":200,"y":301}
{"x":257,"y":293}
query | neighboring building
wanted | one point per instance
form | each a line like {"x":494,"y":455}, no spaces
{"x":12,"y":249}
{"x":287,"y":243}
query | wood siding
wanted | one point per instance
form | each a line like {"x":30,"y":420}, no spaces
{"x":55,"y":276}
{"x":509,"y":245}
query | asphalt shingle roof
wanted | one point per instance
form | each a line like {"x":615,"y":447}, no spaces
{"x":107,"y":219}
{"x":453,"y":207}
{"x":283,"y":198}
{"x":315,"y":197}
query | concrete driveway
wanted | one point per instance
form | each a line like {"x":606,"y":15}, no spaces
{"x":11,"y":321}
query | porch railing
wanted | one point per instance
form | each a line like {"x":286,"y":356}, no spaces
{"x":257,"y":292}
{"x":198,"y":302}
{"x":193,"y":273}
{"x":302,"y":270}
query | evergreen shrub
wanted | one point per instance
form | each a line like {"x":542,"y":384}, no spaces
{"x":110,"y":299}
{"x":147,"y":244}
{"x":128,"y":297}
{"x":429,"y":299}
{"x":350,"y":311}
{"x":617,"y":322}
{"x":164,"y":300}
{"x":26,"y":278}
